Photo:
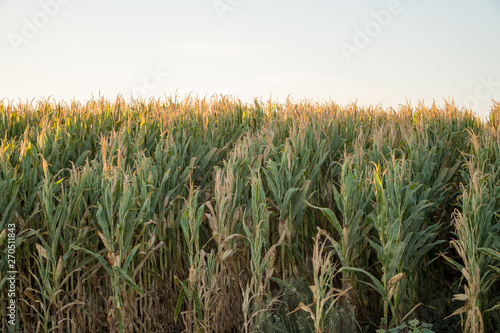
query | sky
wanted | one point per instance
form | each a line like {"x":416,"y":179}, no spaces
{"x":374,"y":52}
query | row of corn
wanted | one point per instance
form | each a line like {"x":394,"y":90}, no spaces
{"x":219,"y":216}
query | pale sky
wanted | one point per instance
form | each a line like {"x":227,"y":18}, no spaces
{"x":375,"y":52}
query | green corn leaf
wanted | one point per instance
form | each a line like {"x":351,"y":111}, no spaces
{"x":127,"y":279}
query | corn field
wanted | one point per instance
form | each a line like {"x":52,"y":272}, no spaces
{"x":219,"y":216}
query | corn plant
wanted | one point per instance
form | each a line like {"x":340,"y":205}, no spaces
{"x":118,"y":218}
{"x":190,"y":225}
{"x":324,"y":294}
{"x":262,"y":255}
{"x":476,"y":232}
{"x":402,"y":239}
{"x":289,"y":189}
{"x":56,"y":262}
{"x":353,"y":202}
